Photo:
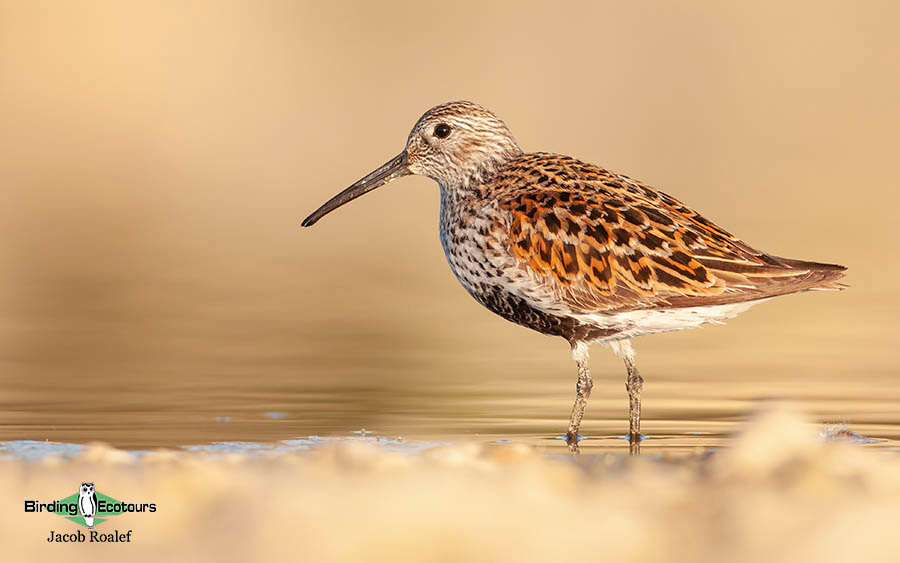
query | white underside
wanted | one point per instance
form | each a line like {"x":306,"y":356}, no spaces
{"x":636,"y":323}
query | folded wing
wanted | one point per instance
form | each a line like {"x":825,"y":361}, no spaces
{"x":605,"y":242}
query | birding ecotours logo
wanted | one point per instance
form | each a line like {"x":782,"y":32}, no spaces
{"x":88,"y":507}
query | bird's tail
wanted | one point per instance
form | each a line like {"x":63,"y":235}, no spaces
{"x":819,"y":276}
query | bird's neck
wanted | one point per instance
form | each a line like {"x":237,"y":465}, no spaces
{"x":470,"y":178}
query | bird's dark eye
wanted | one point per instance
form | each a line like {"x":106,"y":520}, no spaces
{"x":442,"y":131}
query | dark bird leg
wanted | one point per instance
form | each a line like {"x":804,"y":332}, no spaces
{"x":582,"y":393}
{"x":634,"y":384}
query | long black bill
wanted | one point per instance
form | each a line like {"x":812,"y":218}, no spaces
{"x":390,"y":170}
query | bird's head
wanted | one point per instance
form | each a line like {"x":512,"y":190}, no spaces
{"x":456,"y":144}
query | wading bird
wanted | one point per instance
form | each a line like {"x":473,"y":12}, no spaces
{"x":571,"y":249}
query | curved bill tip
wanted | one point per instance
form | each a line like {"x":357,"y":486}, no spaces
{"x":390,"y":170}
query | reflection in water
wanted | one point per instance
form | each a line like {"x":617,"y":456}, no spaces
{"x":31,"y":450}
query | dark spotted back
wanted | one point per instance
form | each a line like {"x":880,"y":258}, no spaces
{"x":607,"y":242}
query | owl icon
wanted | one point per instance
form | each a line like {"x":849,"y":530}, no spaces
{"x":87,"y":503}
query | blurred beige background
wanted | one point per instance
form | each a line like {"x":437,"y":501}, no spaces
{"x":156,"y":160}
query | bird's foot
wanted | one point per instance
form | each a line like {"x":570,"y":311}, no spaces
{"x":572,"y":439}
{"x":634,"y":442}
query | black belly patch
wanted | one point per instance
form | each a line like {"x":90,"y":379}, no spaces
{"x":517,"y":310}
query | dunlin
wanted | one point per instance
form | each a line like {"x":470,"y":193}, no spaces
{"x":571,"y":249}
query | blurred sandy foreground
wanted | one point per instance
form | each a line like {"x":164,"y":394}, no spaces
{"x":780,"y":494}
